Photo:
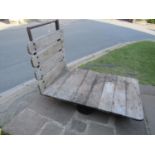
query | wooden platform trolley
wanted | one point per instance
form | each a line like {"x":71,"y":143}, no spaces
{"x":109,"y":93}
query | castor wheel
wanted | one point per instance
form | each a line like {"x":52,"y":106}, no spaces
{"x":85,"y":110}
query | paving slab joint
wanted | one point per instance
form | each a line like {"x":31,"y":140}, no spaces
{"x":111,"y":123}
{"x":147,"y":124}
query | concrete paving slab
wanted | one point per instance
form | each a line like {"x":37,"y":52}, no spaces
{"x":27,"y":122}
{"x":126,"y":126}
{"x":51,"y":128}
{"x":11,"y":108}
{"x":147,"y":89}
{"x":12,"y":111}
{"x":53,"y":109}
{"x":78,"y":125}
{"x":70,"y":132}
{"x":99,"y":129}
{"x":149,"y":109}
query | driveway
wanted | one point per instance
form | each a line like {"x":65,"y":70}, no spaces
{"x":82,"y":38}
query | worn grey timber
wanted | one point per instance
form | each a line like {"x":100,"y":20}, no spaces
{"x":105,"y":92}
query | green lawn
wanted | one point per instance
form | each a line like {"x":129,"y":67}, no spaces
{"x":135,"y":60}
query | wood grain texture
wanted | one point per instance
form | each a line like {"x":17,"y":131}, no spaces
{"x":51,"y":76}
{"x":68,"y":90}
{"x":134,"y":107}
{"x":119,"y":98}
{"x":108,"y":90}
{"x":52,"y":89}
{"x":134,"y":103}
{"x":85,"y":88}
{"x":47,"y":66}
{"x":45,"y":41}
{"x":95,"y":95}
{"x":110,"y":78}
{"x":45,"y":54}
{"x":106,"y":100}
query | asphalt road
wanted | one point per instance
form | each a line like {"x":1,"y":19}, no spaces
{"x":81,"y":38}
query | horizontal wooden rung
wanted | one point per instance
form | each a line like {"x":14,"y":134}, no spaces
{"x":46,"y":54}
{"x":45,"y":41}
{"x":47,"y":66}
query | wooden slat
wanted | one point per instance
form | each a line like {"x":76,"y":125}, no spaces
{"x":95,"y":95}
{"x":46,"y":53}
{"x":52,"y":89}
{"x":47,"y":66}
{"x":107,"y":92}
{"x":106,"y":100}
{"x":110,"y":78}
{"x":51,"y":76}
{"x":44,"y":41}
{"x":71,"y":85}
{"x":85,"y":88}
{"x":119,"y":99}
{"x":134,"y":108}
{"x":129,"y":80}
{"x":134,"y":104}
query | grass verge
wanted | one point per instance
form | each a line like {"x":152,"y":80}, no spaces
{"x":135,"y":60}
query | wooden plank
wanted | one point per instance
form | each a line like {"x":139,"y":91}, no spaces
{"x":134,"y":108}
{"x":85,"y":88}
{"x":110,"y":78}
{"x":51,"y":76}
{"x":68,"y":90}
{"x":119,"y":99}
{"x":106,"y":100}
{"x":129,"y":80}
{"x":46,"y":53}
{"x":134,"y":104}
{"x":44,"y":41}
{"x":106,"y":104}
{"x":47,"y":66}
{"x":95,"y":95}
{"x":52,"y":89}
